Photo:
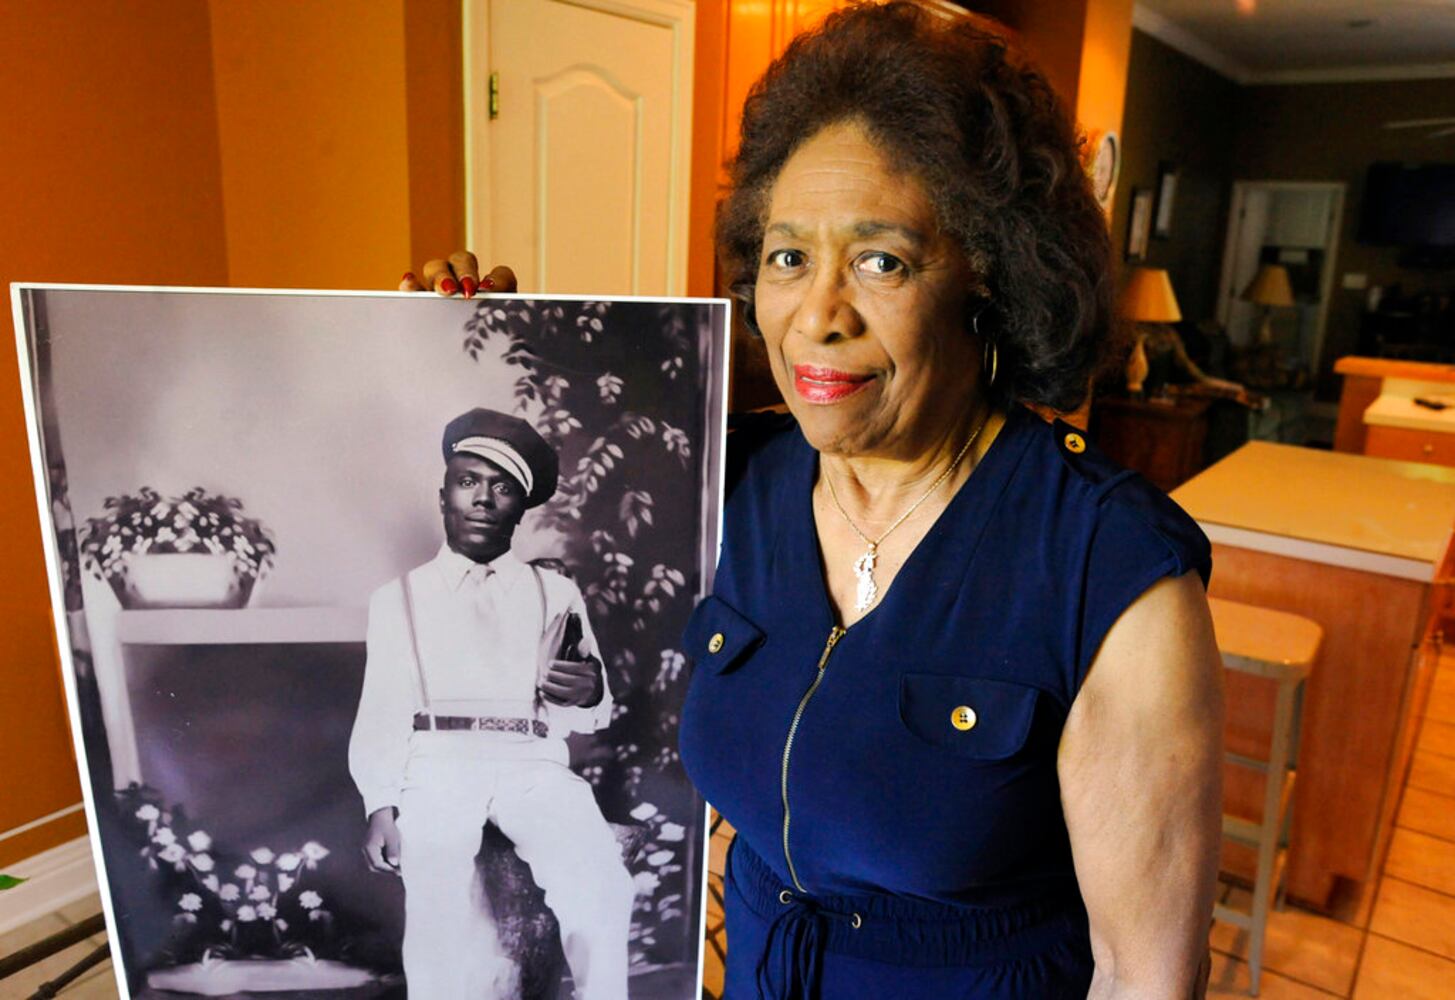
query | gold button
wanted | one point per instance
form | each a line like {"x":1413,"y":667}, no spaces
{"x":714,"y":644}
{"x":963,"y":718}
{"x":1075,"y":443}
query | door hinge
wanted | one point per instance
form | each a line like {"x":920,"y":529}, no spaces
{"x":494,"y":96}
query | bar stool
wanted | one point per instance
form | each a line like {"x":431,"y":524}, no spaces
{"x":1279,"y":647}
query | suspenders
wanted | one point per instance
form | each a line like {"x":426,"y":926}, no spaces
{"x":419,"y":681}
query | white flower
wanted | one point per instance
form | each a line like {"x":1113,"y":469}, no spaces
{"x":191,"y":902}
{"x":246,"y":914}
{"x":267,"y":911}
{"x":659,"y":858}
{"x":288,"y":862}
{"x":644,"y":812}
{"x":671,"y":832}
{"x":314,"y":851}
{"x":211,"y":882}
{"x":317,"y":914}
{"x":202,"y":862}
{"x":646,"y":883}
{"x":310,"y":900}
{"x":246,"y":871}
{"x":226,"y":925}
{"x":259,"y":892}
{"x":229,"y":892}
{"x":148,"y":812}
{"x":262,"y":855}
{"x":172,"y":853}
{"x":285,"y":882}
{"x":164,"y":836}
{"x":198,"y":841}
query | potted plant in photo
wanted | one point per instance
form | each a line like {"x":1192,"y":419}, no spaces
{"x":196,"y":550}
{"x":254,"y":922}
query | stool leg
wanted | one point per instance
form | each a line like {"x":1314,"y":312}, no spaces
{"x":1271,"y":829}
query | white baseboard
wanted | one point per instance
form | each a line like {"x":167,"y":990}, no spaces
{"x":54,"y":878}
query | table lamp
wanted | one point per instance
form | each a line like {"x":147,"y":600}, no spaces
{"x":1271,"y":290}
{"x":1147,"y":298}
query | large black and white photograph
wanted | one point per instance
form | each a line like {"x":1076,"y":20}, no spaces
{"x":370,"y":606}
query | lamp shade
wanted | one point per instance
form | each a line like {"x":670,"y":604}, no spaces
{"x":1148,"y":297}
{"x":1270,"y":287}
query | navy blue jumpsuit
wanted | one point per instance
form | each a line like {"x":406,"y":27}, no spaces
{"x":883,"y":850}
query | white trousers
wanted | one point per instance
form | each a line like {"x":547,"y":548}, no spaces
{"x":452,"y":787}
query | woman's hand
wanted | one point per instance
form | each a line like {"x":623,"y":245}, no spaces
{"x":460,"y":272}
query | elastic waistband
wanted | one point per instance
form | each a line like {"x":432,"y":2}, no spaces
{"x":912,"y":932}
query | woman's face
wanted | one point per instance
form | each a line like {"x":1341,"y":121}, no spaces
{"x":861,"y":300}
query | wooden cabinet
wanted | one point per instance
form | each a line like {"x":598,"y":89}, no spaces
{"x":1161,"y":440}
{"x":1410,"y":445}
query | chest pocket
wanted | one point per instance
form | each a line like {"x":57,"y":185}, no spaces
{"x":718,"y":636}
{"x":970,"y":717}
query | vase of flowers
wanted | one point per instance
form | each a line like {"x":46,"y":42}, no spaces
{"x":257,"y":922}
{"x":196,"y":550}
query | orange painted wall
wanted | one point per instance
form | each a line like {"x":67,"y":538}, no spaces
{"x":1106,"y":50}
{"x":110,"y":174}
{"x":311,"y":111}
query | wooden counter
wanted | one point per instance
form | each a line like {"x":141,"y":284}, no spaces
{"x":1364,"y":380}
{"x":1356,"y":544}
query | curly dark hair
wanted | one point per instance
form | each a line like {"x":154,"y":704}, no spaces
{"x":991,"y":144}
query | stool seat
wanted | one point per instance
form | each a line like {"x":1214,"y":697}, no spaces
{"x":1275,"y":644}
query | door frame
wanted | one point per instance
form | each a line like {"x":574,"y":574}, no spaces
{"x":1226,"y":293}
{"x":677,"y":15}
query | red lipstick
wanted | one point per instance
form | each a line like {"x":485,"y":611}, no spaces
{"x":826,"y":385}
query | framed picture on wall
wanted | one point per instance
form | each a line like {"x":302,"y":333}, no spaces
{"x":1139,"y":224}
{"x":1166,"y":200}
{"x":362,"y":599}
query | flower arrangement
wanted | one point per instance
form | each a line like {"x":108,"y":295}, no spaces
{"x":195,"y":522}
{"x":256,"y":906}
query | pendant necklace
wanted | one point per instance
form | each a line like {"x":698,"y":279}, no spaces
{"x":866,"y":590}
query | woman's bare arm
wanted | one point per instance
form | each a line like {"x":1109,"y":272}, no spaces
{"x":1141,"y":784}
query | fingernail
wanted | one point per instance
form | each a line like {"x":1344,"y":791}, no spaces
{"x":408,"y":276}
{"x":468,"y":286}
{"x":487,"y":282}
{"x":448,"y":286}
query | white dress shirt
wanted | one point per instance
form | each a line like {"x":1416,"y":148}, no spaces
{"x":484,"y":642}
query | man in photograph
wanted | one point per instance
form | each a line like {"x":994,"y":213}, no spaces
{"x":479,"y":665}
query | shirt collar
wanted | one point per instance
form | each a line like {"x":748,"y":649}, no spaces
{"x":455,"y":568}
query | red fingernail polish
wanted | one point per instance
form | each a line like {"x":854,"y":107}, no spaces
{"x":487,"y":282}
{"x":408,"y":276}
{"x":468,"y":286}
{"x":448,"y":286}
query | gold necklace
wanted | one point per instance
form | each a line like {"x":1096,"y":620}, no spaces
{"x":866,"y":590}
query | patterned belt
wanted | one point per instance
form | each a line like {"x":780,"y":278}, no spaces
{"x":483,"y":724}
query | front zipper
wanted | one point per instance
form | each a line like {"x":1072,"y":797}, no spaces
{"x":835,"y":634}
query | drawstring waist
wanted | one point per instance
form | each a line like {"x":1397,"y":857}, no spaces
{"x":803,"y":928}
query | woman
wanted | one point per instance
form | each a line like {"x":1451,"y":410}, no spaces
{"x":956,"y":687}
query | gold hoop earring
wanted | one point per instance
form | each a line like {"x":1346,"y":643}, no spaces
{"x":990,"y":362}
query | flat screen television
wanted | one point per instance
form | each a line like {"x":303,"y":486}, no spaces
{"x":1409,"y":205}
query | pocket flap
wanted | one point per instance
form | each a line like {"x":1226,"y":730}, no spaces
{"x":718,"y":636}
{"x":969,"y":716}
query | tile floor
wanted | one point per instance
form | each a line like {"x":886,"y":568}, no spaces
{"x":1406,"y":953}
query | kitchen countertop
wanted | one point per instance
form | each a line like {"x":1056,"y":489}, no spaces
{"x":1374,"y":514}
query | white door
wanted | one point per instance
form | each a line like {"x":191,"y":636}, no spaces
{"x":580,"y":179}
{"x":1287,"y":216}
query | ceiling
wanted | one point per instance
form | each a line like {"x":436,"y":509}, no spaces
{"x":1290,"y":41}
